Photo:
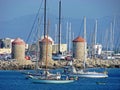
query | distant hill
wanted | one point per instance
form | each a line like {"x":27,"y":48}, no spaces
{"x":21,"y":27}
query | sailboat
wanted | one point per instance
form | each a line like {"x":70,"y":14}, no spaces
{"x":59,"y":55}
{"x":46,"y":76}
{"x":34,"y":57}
{"x":83,"y":73}
{"x":108,"y":54}
{"x":37,"y":70}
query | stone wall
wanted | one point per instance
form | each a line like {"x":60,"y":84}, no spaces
{"x":9,"y":65}
{"x":78,"y":50}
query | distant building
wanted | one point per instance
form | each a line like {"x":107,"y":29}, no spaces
{"x":32,"y":47}
{"x":63,"y":48}
{"x":97,"y":49}
{"x":5,"y":50}
{"x":1,"y":43}
{"x":7,"y":43}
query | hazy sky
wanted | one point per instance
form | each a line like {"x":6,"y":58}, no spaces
{"x":10,"y":9}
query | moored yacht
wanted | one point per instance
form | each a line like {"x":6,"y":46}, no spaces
{"x":71,"y":71}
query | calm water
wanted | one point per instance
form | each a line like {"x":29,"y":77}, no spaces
{"x":14,"y":80}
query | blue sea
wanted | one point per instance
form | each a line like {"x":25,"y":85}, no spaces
{"x":15,"y":80}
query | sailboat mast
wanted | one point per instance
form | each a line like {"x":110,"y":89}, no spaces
{"x":38,"y":48}
{"x":95,"y":39}
{"x":45,"y":31}
{"x":55,"y":34}
{"x":69,"y":38}
{"x":84,"y":42}
{"x":47,"y":45}
{"x":111,"y":34}
{"x":44,"y":18}
{"x":95,"y":32}
{"x":55,"y":38}
{"x":67,"y":34}
{"x":59,"y":27}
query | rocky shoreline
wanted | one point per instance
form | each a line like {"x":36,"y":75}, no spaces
{"x":13,"y":65}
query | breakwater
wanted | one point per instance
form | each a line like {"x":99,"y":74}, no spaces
{"x":13,"y":65}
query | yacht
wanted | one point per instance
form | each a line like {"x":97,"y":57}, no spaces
{"x":71,"y":71}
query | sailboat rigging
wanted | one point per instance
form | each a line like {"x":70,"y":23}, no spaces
{"x":59,"y":54}
{"x":83,"y":72}
{"x":37,"y":69}
{"x":48,"y":77}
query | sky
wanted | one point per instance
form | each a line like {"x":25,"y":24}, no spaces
{"x":10,"y":9}
{"x":12,"y":13}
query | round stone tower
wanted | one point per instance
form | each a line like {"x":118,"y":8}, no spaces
{"x":18,"y":50}
{"x":44,"y":48}
{"x":79,"y":48}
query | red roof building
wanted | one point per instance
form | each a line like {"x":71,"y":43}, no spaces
{"x":45,"y":40}
{"x":79,"y":39}
{"x":18,"y":41}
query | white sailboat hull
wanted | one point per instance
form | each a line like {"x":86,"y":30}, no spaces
{"x":71,"y":71}
{"x":99,"y":75}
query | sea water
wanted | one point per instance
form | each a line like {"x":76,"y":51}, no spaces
{"x":15,"y":80}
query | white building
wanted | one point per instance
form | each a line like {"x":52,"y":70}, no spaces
{"x":97,"y":49}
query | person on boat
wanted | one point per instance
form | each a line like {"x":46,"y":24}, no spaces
{"x":66,"y":77}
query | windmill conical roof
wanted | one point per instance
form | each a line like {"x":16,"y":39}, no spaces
{"x":44,"y":40}
{"x":18,"y":41}
{"x":79,"y":39}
